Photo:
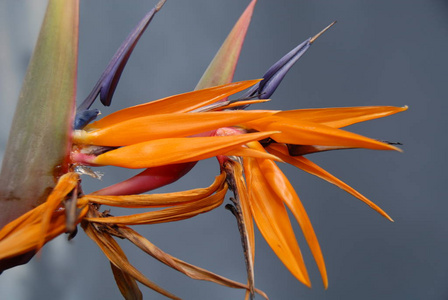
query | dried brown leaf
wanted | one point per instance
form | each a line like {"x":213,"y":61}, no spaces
{"x":179,"y":265}
{"x":243,"y":214}
{"x":117,"y":257}
{"x":127,"y":284}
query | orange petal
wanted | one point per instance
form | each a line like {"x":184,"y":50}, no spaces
{"x":308,"y":133}
{"x":341,"y":116}
{"x":27,"y":237}
{"x":30,"y":237}
{"x":273,"y":222}
{"x":30,"y":217}
{"x":40,"y":225}
{"x":160,"y":126}
{"x":283,"y":189}
{"x":175,"y":104}
{"x":310,"y":167}
{"x":174,"y":150}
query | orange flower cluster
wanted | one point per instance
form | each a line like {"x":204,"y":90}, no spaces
{"x":168,"y":136}
{"x":248,"y":145}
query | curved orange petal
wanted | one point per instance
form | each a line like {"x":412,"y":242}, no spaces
{"x":160,"y":126}
{"x":273,"y":222}
{"x":32,"y":216}
{"x":27,"y":236}
{"x":175,"y":104}
{"x":310,"y":167}
{"x":281,"y":186}
{"x":284,"y":191}
{"x":174,"y":150}
{"x":42,"y":215}
{"x":338,"y":117}
{"x":308,"y":133}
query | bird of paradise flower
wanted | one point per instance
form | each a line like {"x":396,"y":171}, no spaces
{"x":167,"y":137}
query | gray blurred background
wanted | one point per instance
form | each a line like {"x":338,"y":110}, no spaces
{"x":379,"y":53}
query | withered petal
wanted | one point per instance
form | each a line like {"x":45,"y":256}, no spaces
{"x":245,"y":221}
{"x":190,"y":270}
{"x":176,"y":213}
{"x":158,"y":200}
{"x":126,"y":284}
{"x":117,"y":257}
{"x":64,"y":186}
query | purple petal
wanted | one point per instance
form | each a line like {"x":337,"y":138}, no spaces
{"x":109,"y":79}
{"x":274,"y":76}
{"x":84,"y":117}
{"x":277,"y":72}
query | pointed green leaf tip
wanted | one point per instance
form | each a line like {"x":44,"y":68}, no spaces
{"x":221,"y":69}
{"x":39,"y":140}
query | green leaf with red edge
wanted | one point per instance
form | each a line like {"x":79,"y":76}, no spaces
{"x":221,"y":69}
{"x":39,"y":140}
